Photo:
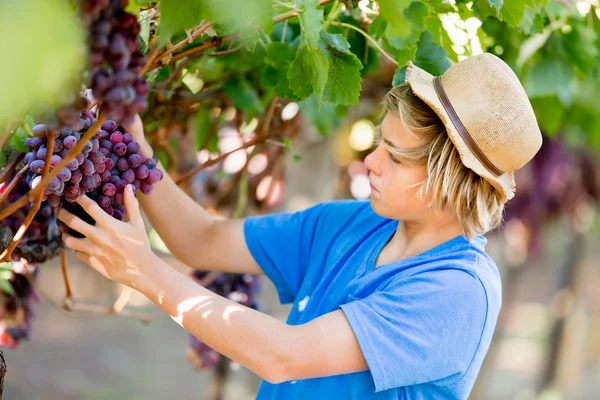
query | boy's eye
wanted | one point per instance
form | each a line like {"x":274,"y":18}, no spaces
{"x":393,"y":158}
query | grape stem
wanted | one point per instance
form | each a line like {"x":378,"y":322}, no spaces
{"x":63,"y":266}
{"x":6,"y":255}
{"x":42,"y":185}
{"x":259,"y":139}
{"x":13,"y":183}
{"x":368,"y":37}
{"x":174,"y":75}
{"x":196,"y":32}
{"x":10,"y":167}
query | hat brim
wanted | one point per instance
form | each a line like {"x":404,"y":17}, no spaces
{"x":421,"y":83}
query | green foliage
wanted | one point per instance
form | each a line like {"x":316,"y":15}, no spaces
{"x":43,"y":54}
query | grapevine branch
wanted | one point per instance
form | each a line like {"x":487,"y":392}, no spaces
{"x":13,"y":183}
{"x":259,"y":139}
{"x":40,"y":188}
{"x":153,"y":60}
{"x":10,"y":167}
{"x":6,"y":255}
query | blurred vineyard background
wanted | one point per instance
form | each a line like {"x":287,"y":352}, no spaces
{"x":219,"y":87}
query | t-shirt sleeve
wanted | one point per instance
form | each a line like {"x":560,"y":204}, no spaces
{"x":281,"y":243}
{"x":422,"y":328}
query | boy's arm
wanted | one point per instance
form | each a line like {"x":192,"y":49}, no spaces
{"x":275,"y":351}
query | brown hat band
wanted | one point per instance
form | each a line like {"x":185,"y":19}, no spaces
{"x":441,"y":93}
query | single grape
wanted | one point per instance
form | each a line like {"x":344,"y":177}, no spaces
{"x":37,"y":166}
{"x":154,"y":176}
{"x":109,"y":189}
{"x":41,"y":154}
{"x":54,"y":160}
{"x":116,"y":137}
{"x":141,"y":172}
{"x":96,"y":158}
{"x":120,"y":149}
{"x":122,"y":164}
{"x":151,"y":163}
{"x":105,"y":176}
{"x":27,"y":143}
{"x":127,"y":138}
{"x":95,"y":145}
{"x":87,"y":183}
{"x":104,"y":143}
{"x":76,"y":176}
{"x":119,"y":184}
{"x":72,"y":188}
{"x":117,"y":214}
{"x":97,"y":180}
{"x":100,"y":168}
{"x":69,"y":142}
{"x":71,"y":197}
{"x":109,"y":164}
{"x":53,"y":184}
{"x":104,"y":151}
{"x":109,"y":210}
{"x":103,"y":201}
{"x":64,"y":175}
{"x":134,"y":160}
{"x":87,"y":147}
{"x":118,"y":198}
{"x":40,"y":131}
{"x":146,"y":188}
{"x":109,"y":126}
{"x":128,"y":176}
{"x":87,"y":167}
{"x":133,"y":147}
{"x":29,"y":158}
{"x":73,"y":165}
{"x":58,"y":145}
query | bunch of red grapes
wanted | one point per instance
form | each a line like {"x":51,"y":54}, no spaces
{"x":116,"y":59}
{"x":16,"y":308}
{"x":241,"y":288}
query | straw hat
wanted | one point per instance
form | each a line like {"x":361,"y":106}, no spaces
{"x":487,"y":116}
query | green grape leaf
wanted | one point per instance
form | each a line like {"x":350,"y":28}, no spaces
{"x":323,"y":115}
{"x":550,"y":113}
{"x":144,"y":31}
{"x":175,"y":18}
{"x":416,"y":13}
{"x":440,"y":36}
{"x":278,"y":58}
{"x":378,"y":27}
{"x":203,"y":127}
{"x":7,"y":287}
{"x":311,"y":21}
{"x":393,"y":12}
{"x":134,"y":6}
{"x":550,"y":77}
{"x":430,"y":56}
{"x":44,"y":49}
{"x":343,"y":82}
{"x":581,"y":46}
{"x":399,"y":76}
{"x":496,"y":3}
{"x":17,"y":141}
{"x":243,"y":95}
{"x":513,"y":12}
{"x":3,"y":158}
{"x":308,"y":72}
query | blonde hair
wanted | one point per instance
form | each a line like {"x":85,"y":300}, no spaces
{"x":477,"y":205}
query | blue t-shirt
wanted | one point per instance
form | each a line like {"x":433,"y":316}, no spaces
{"x":424,"y":324}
